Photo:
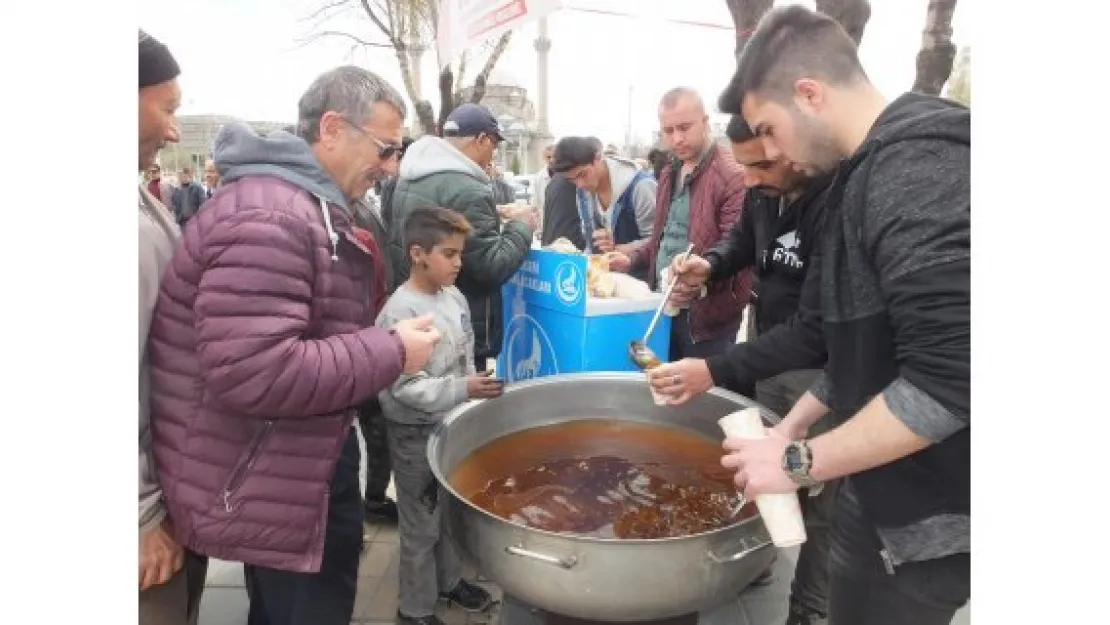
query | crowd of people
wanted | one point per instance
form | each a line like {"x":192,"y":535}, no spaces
{"x":337,"y":274}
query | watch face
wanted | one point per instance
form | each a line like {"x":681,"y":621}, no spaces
{"x":793,"y":457}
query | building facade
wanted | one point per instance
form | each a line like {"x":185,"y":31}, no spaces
{"x":198,"y":134}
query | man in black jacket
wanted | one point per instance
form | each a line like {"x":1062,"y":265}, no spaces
{"x":895,"y":301}
{"x":776,"y":236}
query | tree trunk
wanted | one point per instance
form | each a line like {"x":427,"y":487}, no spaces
{"x":423,"y":113}
{"x":852,"y":15}
{"x":446,"y":97}
{"x":483,"y":76}
{"x":745,"y":16}
{"x":934,"y":60}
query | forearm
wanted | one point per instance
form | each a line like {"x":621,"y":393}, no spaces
{"x":806,"y":411}
{"x":430,"y":394}
{"x":872,"y":438}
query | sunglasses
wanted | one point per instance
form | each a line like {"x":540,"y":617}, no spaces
{"x":386,"y":151}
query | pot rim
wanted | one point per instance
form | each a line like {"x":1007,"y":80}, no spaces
{"x":437,"y":436}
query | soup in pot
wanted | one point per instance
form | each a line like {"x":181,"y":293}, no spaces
{"x":604,"y":478}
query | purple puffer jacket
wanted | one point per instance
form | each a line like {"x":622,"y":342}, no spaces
{"x":262,"y":342}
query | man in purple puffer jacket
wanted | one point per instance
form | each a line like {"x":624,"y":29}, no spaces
{"x":262,"y":344}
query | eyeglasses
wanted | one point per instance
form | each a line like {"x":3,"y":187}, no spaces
{"x":386,"y":151}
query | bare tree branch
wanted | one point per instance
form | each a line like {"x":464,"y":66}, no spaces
{"x":378,"y":22}
{"x":491,"y":61}
{"x":357,"y":41}
{"x":462,"y":67}
{"x":326,"y":9}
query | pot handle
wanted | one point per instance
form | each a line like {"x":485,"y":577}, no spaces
{"x":566,"y":562}
{"x":747,"y":546}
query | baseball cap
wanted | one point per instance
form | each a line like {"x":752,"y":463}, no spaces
{"x":469,"y":120}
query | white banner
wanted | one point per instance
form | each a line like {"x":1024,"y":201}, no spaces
{"x":467,"y":23}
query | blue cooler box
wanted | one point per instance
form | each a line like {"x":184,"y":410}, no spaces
{"x":551,"y":326}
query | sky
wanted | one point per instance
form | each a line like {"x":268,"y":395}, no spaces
{"x":248,"y":59}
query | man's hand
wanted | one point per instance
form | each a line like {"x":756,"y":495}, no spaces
{"x":619,"y":261}
{"x":419,"y":337}
{"x":681,"y":381}
{"x":159,"y":556}
{"x":483,"y":386}
{"x":603,"y":241}
{"x":758,"y":464}
{"x":692,"y":274}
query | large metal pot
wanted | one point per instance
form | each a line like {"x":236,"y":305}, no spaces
{"x":595,"y":578}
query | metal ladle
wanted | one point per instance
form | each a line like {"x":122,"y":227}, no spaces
{"x":638,"y":351}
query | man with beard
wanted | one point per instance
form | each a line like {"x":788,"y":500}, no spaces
{"x":171,"y":579}
{"x":895,"y":299}
{"x":776,"y":236}
{"x":700,"y":197}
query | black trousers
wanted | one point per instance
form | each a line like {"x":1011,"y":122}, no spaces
{"x":378,"y":468}
{"x":328,"y":596}
{"x":863,"y":592}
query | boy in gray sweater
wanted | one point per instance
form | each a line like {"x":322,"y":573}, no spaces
{"x":429,"y":565}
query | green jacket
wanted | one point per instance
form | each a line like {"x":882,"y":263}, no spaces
{"x":434,"y":173}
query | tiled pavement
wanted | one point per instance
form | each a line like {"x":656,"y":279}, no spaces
{"x":225,"y":599}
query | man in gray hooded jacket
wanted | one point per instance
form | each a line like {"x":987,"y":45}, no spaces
{"x":170,"y":579}
{"x":451,"y":173}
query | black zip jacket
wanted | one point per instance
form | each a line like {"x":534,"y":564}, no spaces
{"x":896,"y":301}
{"x":783,"y":249}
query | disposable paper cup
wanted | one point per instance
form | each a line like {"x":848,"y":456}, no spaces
{"x":659,"y":398}
{"x":782,"y":513}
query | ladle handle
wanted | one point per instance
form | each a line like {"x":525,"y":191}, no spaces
{"x":748,"y":547}
{"x":566,"y":562}
{"x":666,"y":296}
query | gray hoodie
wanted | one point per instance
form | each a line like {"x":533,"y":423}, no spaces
{"x":158,"y":234}
{"x":239,"y":152}
{"x":621,"y":172}
{"x":425,"y":397}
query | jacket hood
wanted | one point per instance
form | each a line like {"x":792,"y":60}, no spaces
{"x":917,"y":116}
{"x":432,"y":155}
{"x":621,"y":173}
{"x":239,"y":151}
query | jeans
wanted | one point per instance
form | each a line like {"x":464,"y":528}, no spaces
{"x":327,"y":597}
{"x":863,"y":592}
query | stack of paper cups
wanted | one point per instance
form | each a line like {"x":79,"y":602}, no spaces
{"x":782,"y":514}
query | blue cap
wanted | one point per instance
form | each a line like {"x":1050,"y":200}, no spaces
{"x":469,"y":120}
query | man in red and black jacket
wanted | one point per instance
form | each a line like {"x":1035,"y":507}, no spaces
{"x":699,"y":197}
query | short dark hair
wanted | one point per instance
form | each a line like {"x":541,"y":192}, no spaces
{"x":427,"y":227}
{"x":790,"y":43}
{"x":738,"y":130}
{"x":571,"y":152}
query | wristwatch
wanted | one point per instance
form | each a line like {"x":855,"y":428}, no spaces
{"x":797,"y":461}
